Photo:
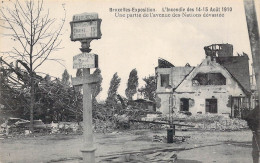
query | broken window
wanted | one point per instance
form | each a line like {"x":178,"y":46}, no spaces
{"x":184,"y":104}
{"x":165,"y":80}
{"x":209,"y":79}
{"x":211,"y":106}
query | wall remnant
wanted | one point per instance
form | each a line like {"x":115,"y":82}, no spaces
{"x":219,"y":50}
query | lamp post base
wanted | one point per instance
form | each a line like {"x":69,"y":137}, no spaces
{"x":88,"y":155}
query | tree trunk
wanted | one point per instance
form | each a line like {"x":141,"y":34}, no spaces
{"x":32,"y":104}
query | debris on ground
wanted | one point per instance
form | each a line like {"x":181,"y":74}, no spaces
{"x":68,"y":127}
{"x":18,"y":126}
{"x":201,"y":122}
{"x":101,"y":126}
{"x":214,"y":122}
{"x":150,"y":117}
{"x":204,"y":122}
{"x":143,"y":157}
{"x":157,"y":138}
{"x":163,"y":139}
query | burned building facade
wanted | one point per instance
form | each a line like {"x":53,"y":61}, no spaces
{"x":218,"y":85}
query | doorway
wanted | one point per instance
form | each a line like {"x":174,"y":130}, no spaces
{"x":211,"y":106}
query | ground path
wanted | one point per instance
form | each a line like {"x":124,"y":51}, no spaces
{"x":131,"y":146}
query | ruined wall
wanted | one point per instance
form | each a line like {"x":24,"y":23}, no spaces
{"x":200,"y":97}
{"x":199,"y":93}
{"x":161,"y":91}
{"x":160,"y":71}
{"x":202,"y":92}
{"x":164,"y":103}
{"x":176,"y":75}
{"x":219,"y":50}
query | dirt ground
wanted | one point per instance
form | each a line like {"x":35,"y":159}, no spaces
{"x":132,"y":146}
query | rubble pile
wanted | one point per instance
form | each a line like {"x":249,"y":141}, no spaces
{"x":101,"y":126}
{"x":152,"y":117}
{"x":223,"y":125}
{"x":212,"y":122}
{"x":18,"y":126}
{"x":140,"y":125}
{"x":160,"y":156}
{"x":65,"y":127}
{"x":200,"y":121}
{"x":163,"y":138}
{"x":157,"y":138}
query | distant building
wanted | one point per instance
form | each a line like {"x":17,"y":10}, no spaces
{"x":218,"y":85}
{"x":145,"y":104}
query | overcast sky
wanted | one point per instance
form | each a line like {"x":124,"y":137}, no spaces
{"x":129,"y":43}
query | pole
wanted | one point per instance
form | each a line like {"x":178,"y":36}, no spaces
{"x":253,"y":32}
{"x":1,"y":69}
{"x":88,"y":150}
{"x":85,"y":34}
{"x":170,"y":135}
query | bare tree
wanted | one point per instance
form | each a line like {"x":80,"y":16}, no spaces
{"x":35,"y":36}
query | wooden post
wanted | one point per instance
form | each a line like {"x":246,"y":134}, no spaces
{"x":88,"y":150}
{"x":84,"y":28}
{"x":170,"y":135}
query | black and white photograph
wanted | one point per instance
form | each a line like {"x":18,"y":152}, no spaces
{"x":138,"y":81}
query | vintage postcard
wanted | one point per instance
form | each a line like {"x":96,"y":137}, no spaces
{"x":129,"y":81}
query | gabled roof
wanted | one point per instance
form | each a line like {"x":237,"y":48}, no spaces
{"x":232,"y":73}
{"x":238,"y":67}
{"x":162,"y":63}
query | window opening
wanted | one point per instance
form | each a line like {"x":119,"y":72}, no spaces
{"x":164,"y":80}
{"x":209,"y":79}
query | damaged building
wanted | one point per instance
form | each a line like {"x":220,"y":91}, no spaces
{"x":220,"y":84}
